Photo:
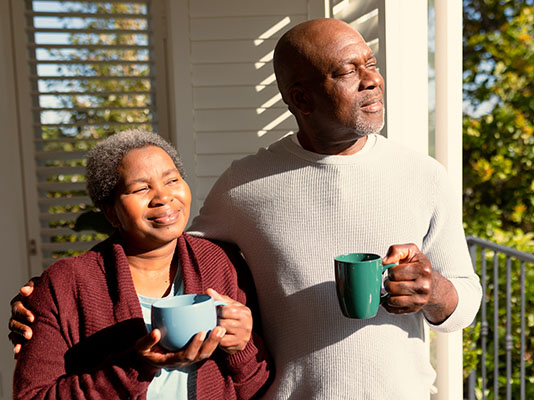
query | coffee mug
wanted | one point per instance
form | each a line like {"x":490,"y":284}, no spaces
{"x":179,"y":318}
{"x":358,"y":283}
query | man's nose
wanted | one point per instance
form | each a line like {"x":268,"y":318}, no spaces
{"x":370,"y":79}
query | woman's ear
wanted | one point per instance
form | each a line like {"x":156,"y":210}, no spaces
{"x":300,"y":99}
{"x":111,"y":215}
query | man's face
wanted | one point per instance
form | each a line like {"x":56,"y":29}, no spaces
{"x":349,"y":91}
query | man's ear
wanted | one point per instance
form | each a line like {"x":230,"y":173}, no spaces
{"x":300,"y":99}
{"x":111,"y":215}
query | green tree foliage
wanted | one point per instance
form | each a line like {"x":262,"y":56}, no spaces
{"x":498,"y":145}
{"x":498,"y":139}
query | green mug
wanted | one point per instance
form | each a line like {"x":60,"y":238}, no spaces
{"x":358,"y":283}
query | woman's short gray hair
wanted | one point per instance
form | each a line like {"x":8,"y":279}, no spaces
{"x":104,"y":159}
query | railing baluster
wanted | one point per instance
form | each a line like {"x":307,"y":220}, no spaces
{"x":508,"y":341}
{"x":484,"y":323}
{"x":523,"y":376}
{"x":472,"y":381}
{"x":504,"y":327}
{"x":496,"y":325}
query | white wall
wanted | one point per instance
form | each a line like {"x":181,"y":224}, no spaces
{"x":226,"y":102}
{"x":14,"y":264}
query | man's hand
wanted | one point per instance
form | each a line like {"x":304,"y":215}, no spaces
{"x":413,"y":285}
{"x":21,"y":318}
{"x":199,"y":349}
{"x":236,"y":319}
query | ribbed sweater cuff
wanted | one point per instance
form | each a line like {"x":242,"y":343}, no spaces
{"x":466,"y":309}
{"x":235,"y":361}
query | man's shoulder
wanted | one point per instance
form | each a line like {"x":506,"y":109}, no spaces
{"x":263,"y":156}
{"x":399,"y":152}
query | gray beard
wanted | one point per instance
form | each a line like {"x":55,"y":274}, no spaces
{"x":366,"y":128}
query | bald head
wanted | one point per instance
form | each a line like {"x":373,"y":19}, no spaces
{"x":300,"y":53}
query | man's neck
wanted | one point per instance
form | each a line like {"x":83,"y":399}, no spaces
{"x":341,"y":149}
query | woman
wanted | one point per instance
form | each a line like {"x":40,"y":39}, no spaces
{"x":92,"y":311}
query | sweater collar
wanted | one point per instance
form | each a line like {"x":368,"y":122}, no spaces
{"x":291,"y":144}
{"x":114,"y":263}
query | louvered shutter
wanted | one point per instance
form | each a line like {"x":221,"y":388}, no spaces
{"x":86,"y":69}
{"x":236,"y":103}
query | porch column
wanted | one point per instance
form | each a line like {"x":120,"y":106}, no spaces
{"x":403,"y":51}
{"x":448,"y":59}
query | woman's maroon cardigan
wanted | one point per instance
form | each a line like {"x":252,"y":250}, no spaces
{"x":89,"y":317}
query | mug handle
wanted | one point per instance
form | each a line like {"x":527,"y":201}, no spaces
{"x":384,"y":298}
{"x":217,"y":304}
{"x":387,"y":266}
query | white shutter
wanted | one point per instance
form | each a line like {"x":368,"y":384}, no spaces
{"x":362,"y":15}
{"x":86,"y":69}
{"x":236,"y":107}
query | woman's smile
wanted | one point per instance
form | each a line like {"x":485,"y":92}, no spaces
{"x":167,"y":218}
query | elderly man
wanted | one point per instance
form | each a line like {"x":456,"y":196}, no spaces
{"x":337,"y":187}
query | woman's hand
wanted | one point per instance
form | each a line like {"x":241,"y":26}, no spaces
{"x":199,"y":349}
{"x":231,"y":335}
{"x":236,"y":319}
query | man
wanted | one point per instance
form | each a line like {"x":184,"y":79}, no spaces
{"x":337,"y":187}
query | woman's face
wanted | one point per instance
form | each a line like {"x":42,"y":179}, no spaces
{"x":152,"y":200}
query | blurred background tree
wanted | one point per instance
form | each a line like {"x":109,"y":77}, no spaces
{"x":499,"y":120}
{"x":498,"y":171}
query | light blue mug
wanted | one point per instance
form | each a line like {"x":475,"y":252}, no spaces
{"x":179,"y":318}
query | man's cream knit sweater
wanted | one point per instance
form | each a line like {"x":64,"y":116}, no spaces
{"x":291,"y":212}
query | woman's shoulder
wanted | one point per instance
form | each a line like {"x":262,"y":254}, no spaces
{"x":214,"y":256}
{"x":73,"y":268}
{"x":206,"y":247}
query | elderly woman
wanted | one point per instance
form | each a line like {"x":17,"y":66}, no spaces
{"x":92,"y":336}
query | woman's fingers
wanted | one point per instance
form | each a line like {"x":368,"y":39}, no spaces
{"x":147,"y":342}
{"x":201,"y":347}
{"x":210,"y":344}
{"x":236,"y":319}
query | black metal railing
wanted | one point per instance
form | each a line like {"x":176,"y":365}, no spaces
{"x":501,"y":322}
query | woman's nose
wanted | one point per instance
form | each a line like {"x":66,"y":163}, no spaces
{"x":161,"y":195}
